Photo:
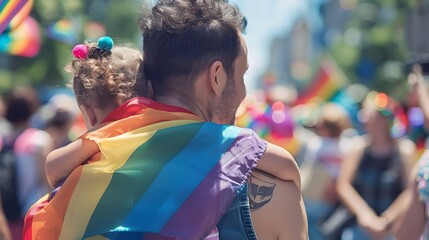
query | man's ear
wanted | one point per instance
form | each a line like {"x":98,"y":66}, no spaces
{"x":217,"y":78}
{"x":89,"y":116}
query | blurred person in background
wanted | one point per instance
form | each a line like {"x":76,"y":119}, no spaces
{"x":57,"y":117}
{"x":374,"y":173}
{"x":58,"y":127}
{"x":414,"y":224}
{"x":5,"y":126}
{"x":4,"y":227}
{"x":321,"y":166}
{"x":27,"y":150}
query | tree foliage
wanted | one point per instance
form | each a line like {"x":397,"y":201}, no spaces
{"x":118,"y":18}
{"x":371,"y":50}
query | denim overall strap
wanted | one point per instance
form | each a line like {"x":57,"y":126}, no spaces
{"x":237,"y":223}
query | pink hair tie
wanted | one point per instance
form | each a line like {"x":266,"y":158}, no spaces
{"x":80,"y":51}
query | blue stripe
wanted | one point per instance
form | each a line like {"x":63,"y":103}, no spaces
{"x":181,"y":176}
{"x":3,"y":4}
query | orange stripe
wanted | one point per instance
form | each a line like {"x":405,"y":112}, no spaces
{"x":145,"y":118}
{"x":55,"y":210}
{"x":23,"y":40}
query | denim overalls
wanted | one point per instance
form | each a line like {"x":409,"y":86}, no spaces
{"x":236,"y":223}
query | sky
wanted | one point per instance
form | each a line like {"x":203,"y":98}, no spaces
{"x":266,"y":20}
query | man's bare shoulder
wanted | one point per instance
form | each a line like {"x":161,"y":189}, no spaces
{"x":278,"y":162}
{"x":277,"y":208}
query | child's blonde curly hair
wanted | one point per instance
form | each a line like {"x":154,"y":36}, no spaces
{"x":109,"y":79}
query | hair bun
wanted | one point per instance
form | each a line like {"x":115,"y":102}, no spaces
{"x":80,"y":51}
{"x":105,"y":43}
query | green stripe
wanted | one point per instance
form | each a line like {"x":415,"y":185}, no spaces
{"x":131,"y":181}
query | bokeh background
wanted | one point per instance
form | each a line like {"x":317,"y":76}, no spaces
{"x":287,"y":39}
{"x":303,"y":54}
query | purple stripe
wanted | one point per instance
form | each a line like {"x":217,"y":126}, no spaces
{"x":200,"y":213}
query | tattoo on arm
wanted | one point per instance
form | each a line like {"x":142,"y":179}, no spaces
{"x":260,"y":191}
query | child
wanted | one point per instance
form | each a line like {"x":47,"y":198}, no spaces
{"x":104,"y":77}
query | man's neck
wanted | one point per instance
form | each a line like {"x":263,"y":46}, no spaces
{"x":176,"y":102}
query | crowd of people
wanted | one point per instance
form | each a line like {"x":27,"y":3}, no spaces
{"x":148,"y":148}
{"x":364,"y":181}
{"x":25,"y":145}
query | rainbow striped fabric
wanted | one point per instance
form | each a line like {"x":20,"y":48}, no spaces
{"x":161,"y":174}
{"x":8,"y":10}
{"x":328,"y":82}
{"x":23,"y":41}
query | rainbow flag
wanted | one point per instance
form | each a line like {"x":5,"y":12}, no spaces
{"x":161,"y":174}
{"x":64,"y":30}
{"x":24,"y":40}
{"x":329,"y":80}
{"x":8,"y":10}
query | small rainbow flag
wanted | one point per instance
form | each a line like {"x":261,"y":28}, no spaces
{"x":8,"y":10}
{"x":64,"y":30}
{"x":24,"y":40}
{"x":328,"y":81}
{"x":161,"y":174}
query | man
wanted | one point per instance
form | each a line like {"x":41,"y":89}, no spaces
{"x":175,"y":168}
{"x":195,"y":58}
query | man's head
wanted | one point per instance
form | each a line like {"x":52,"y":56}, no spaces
{"x":185,"y":41}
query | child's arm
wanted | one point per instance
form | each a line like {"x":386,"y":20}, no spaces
{"x":62,"y":161}
{"x":280,"y":163}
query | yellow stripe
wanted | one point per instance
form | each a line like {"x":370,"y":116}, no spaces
{"x":96,"y":176}
{"x":328,"y":90}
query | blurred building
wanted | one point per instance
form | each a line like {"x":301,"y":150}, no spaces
{"x":293,"y":47}
{"x":416,"y":38}
{"x":295,"y":53}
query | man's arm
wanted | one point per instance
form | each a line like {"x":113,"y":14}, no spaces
{"x":277,"y":209}
{"x":280,"y":163}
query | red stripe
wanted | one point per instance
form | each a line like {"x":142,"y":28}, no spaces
{"x":27,"y":232}
{"x":52,"y":212}
{"x":139,"y":104}
{"x":322,"y":79}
